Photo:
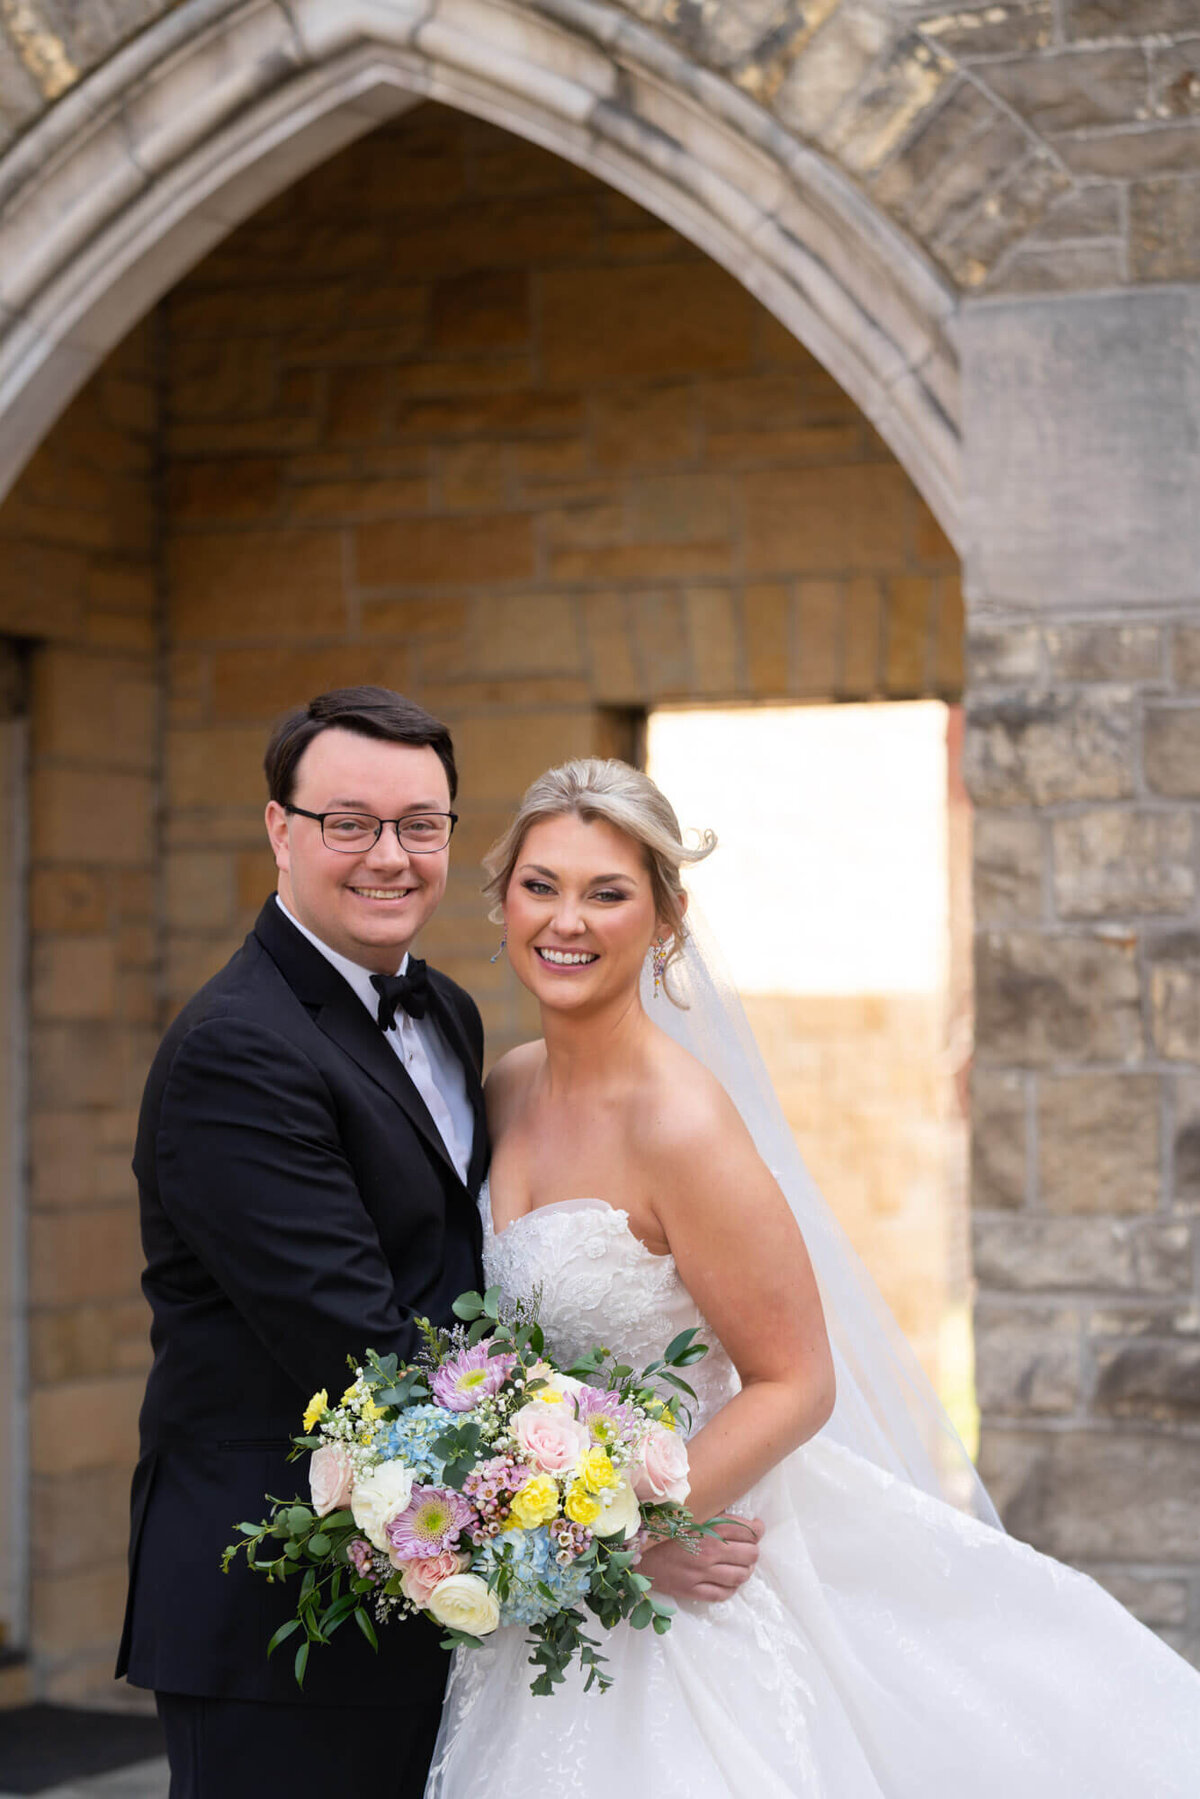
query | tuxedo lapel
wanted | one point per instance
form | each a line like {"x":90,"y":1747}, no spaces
{"x":337,"y":1010}
{"x":451,"y":1028}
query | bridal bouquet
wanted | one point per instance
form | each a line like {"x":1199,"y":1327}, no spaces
{"x":482,"y":1485}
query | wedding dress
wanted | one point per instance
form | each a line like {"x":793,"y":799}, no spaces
{"x":888,"y":1646}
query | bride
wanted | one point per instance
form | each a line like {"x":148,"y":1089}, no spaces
{"x":889,"y":1645}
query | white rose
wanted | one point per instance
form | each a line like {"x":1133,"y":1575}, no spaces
{"x":381,"y":1494}
{"x":619,"y":1512}
{"x":464,"y":1602}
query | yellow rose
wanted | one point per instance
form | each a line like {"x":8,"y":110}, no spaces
{"x":597,"y":1472}
{"x":579,"y":1505}
{"x":536,"y":1502}
{"x":318,"y":1405}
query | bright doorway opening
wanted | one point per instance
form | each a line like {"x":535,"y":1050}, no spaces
{"x":839,"y":894}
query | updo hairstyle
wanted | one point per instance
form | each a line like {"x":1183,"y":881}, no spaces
{"x":591,"y":788}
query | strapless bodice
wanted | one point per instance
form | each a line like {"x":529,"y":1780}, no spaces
{"x":595,"y":1283}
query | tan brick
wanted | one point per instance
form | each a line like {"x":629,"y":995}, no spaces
{"x":1098,"y":1143}
{"x":948,"y":646}
{"x":660,"y":320}
{"x":84,"y":1255}
{"x":713,"y":627}
{"x":610,"y":646}
{"x":473,"y":476}
{"x":42,"y":589}
{"x":96,"y":709}
{"x":644,"y":428}
{"x":823,"y":615}
{"x":681,"y":509}
{"x":522,"y":414}
{"x":485,"y":310}
{"x":499,"y":756}
{"x":261,"y":684}
{"x":68,"y":900}
{"x":81,"y":1158}
{"x":767,"y":607}
{"x":526,"y":634}
{"x":120,"y":631}
{"x":419,"y":551}
{"x":135,"y":893}
{"x":74,"y":977}
{"x":255,"y":584}
{"x":79,"y":1519}
{"x":78,"y":1610}
{"x":254,"y":876}
{"x":137,"y":946}
{"x":216,"y":768}
{"x":862,"y":632}
{"x":663,"y":648}
{"x":237,"y":490}
{"x":799,"y":444}
{"x":907,"y":618}
{"x":121,"y":587}
{"x":79,"y":817}
{"x":827,"y":519}
{"x":639,"y":561}
{"x":360,"y":406}
{"x":327,"y":500}
{"x":82,"y":1342}
{"x":229,"y":378}
{"x":548,"y":463}
{"x":199,"y":889}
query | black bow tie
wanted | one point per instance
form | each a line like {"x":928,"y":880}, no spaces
{"x":409,"y":991}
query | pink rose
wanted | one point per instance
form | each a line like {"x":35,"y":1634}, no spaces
{"x":550,"y":1437}
{"x":330,"y":1478}
{"x":661,"y":1471}
{"x":418,"y":1579}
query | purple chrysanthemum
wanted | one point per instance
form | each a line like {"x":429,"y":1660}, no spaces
{"x":432,"y":1523}
{"x":468,"y":1377}
{"x":591,"y":1403}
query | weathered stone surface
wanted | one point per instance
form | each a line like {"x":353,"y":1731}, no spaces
{"x":1074,"y":89}
{"x":995,"y":30}
{"x":999,"y":1156}
{"x":1038,"y":748}
{"x":1004,"y":654}
{"x":1148,"y":1380}
{"x":1113,"y":18}
{"x":1084,"y":212}
{"x":1027,"y":1360}
{"x":1164,"y":229}
{"x":1174,"y":966}
{"x":1098,"y":1142}
{"x":1068,"y":402}
{"x":1185,"y":655}
{"x":1088,"y":1495}
{"x":1031,"y":1254}
{"x":1172,"y":750}
{"x":1105,"y":653}
{"x":1039,"y":998}
{"x":1020,"y":201}
{"x":1186,"y":1145}
{"x":1009,"y":858}
{"x":1115,"y":862}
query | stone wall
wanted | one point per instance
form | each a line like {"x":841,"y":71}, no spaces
{"x":77,"y":580}
{"x":1083,"y":755}
{"x":452,"y":415}
{"x":1024,"y":144}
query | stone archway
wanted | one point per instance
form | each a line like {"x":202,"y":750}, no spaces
{"x":118,"y":190}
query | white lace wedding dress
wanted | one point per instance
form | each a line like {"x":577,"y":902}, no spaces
{"x":888,"y":1646}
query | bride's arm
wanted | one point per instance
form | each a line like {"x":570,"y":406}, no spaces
{"x":741,"y":1256}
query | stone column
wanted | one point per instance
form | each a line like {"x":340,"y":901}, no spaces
{"x":1083,"y":760}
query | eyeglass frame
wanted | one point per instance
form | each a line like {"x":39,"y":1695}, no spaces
{"x":348,"y":812}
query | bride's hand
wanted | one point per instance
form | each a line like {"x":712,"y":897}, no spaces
{"x":722,"y":1564}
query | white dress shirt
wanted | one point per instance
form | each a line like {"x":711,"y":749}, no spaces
{"x":435,"y":1070}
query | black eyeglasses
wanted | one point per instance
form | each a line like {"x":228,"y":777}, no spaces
{"x":421,"y":833}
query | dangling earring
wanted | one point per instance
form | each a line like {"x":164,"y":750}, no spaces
{"x":659,"y":954}
{"x":503,"y":945}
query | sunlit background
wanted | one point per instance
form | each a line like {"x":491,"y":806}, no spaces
{"x":838,"y":896}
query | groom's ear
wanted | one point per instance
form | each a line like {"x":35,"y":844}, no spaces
{"x":277,"y":834}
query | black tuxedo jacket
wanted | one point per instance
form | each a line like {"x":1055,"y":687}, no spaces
{"x":298,"y":1205}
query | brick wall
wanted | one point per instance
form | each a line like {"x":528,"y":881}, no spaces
{"x":454,"y":416}
{"x":1083,"y":748}
{"x":77,"y":544}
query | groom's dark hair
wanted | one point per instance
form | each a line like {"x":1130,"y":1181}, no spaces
{"x":371,"y":712}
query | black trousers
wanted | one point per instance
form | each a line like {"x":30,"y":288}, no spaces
{"x":241,"y":1749}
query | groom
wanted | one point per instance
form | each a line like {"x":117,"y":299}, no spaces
{"x":310,"y":1150}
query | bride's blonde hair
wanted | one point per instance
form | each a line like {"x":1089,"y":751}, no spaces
{"x":593,"y":788}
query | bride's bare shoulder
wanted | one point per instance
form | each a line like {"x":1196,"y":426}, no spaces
{"x":509,"y":1079}
{"x":682,"y":1108}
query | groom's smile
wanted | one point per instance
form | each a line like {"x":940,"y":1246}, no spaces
{"x":368,"y":904}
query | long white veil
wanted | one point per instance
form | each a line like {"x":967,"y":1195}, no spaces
{"x":886,"y":1409}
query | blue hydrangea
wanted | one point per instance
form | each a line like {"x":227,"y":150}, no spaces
{"x":531,"y":1558}
{"x":411,"y":1438}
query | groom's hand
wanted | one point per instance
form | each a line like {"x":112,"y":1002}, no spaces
{"x":721,"y":1565}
